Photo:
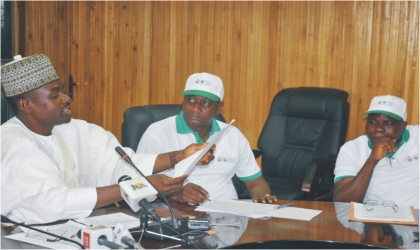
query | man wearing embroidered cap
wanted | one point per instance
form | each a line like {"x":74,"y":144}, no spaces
{"x":203,"y":100}
{"x":54,"y":167}
{"x":384,"y":163}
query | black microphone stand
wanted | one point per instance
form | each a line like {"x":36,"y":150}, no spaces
{"x":147,"y":208}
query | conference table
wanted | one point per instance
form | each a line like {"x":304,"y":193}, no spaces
{"x":329,"y":229}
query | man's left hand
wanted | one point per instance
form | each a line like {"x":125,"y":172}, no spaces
{"x":264,"y":198}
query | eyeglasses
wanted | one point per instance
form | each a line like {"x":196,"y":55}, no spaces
{"x":43,"y":236}
{"x":370,"y":203}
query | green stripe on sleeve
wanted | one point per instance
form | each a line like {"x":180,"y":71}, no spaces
{"x":342,"y":177}
{"x":254,"y":176}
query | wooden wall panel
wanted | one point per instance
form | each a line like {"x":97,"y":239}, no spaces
{"x":124,"y":54}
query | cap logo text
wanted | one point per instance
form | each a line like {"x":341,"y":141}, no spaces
{"x":203,"y":82}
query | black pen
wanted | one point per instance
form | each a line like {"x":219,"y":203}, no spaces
{"x":81,"y":223}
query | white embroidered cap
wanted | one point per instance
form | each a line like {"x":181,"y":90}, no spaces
{"x":389,"y":105}
{"x":205,"y":85}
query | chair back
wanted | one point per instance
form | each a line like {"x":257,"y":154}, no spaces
{"x":6,"y":108}
{"x":304,"y":124}
{"x":137,"y":119}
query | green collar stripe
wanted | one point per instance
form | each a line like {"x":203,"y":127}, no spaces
{"x":404,"y":138}
{"x":183,"y":128}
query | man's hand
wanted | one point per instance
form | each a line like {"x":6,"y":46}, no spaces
{"x":191,"y":193}
{"x":381,"y":146}
{"x":165,"y":184}
{"x":261,"y":198}
{"x":206,"y":159}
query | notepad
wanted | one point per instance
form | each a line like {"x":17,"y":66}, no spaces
{"x":380,"y":214}
{"x":186,"y":166}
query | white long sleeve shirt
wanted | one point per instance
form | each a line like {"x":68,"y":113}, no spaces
{"x":32,"y":186}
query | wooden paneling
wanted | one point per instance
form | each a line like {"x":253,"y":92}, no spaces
{"x":124,"y":54}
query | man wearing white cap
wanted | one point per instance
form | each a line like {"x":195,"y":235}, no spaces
{"x":203,"y":100}
{"x":54,"y":167}
{"x":382,"y":165}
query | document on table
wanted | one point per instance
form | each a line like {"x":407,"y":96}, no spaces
{"x":379,"y":214}
{"x":70,"y":229}
{"x":258,"y":210}
{"x":185,"y":166}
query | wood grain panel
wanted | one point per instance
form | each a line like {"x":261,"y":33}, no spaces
{"x":130,"y":53}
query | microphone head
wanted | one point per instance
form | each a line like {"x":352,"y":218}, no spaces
{"x":135,"y":190}
{"x":124,"y":178}
{"x":120,"y":151}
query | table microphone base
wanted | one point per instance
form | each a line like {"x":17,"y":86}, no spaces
{"x":159,"y":232}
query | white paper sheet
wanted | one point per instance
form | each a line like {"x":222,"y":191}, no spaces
{"x":186,"y":166}
{"x":258,"y":210}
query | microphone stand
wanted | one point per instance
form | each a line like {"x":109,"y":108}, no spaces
{"x":149,"y":209}
{"x":143,"y":223}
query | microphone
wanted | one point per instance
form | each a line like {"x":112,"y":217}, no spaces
{"x":155,"y":230}
{"x":143,"y":203}
{"x":5,"y":219}
{"x":134,"y":191}
{"x":131,"y":243}
{"x":127,"y":158}
{"x":97,"y":238}
{"x":122,"y":236}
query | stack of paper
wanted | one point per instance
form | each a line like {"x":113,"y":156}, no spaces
{"x":405,"y":215}
{"x":258,"y":210}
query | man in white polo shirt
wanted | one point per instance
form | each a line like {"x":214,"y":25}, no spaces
{"x":203,"y":100}
{"x":384,"y":163}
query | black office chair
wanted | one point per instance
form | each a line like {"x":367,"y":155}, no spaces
{"x":300,"y":141}
{"x":138,"y":119}
{"x":6,"y":108}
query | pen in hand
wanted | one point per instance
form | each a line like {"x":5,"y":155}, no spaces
{"x":283,"y":206}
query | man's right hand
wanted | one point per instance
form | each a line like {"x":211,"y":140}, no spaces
{"x":191,"y":193}
{"x":381,"y":147}
{"x":206,"y":159}
{"x":165,"y":184}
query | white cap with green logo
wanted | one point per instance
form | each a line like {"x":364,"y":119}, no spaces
{"x":389,"y":105}
{"x":205,"y":85}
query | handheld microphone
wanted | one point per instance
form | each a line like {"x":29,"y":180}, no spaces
{"x":5,"y":219}
{"x":131,"y":243}
{"x":140,"y":202}
{"x":97,"y":238}
{"x":135,"y":191}
{"x":156,"y":230}
{"x":127,"y":158}
{"x":123,"y":236}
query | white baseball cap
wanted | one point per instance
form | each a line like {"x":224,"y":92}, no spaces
{"x":205,"y":85}
{"x":389,"y":105}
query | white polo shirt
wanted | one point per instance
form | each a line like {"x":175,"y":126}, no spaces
{"x":233,"y":154}
{"x":395,"y":179}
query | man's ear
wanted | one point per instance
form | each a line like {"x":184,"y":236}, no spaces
{"x":404,"y":125}
{"x":25,"y":105}
{"x":221,"y":104}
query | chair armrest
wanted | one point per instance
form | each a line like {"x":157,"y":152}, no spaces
{"x":314,"y":175}
{"x":257,"y":153}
